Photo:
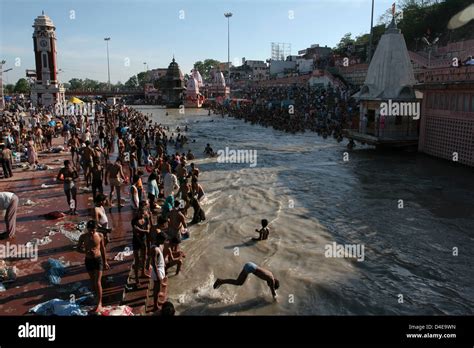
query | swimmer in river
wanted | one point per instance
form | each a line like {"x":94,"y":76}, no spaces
{"x":259,"y":272}
{"x":264,"y":231}
{"x":208,"y":150}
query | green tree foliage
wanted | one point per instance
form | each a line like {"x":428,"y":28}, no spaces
{"x":142,"y":78}
{"x":431,"y":18}
{"x":345,"y":41}
{"x":9,"y":89}
{"x":132,"y":82}
{"x":416,"y":19}
{"x":90,"y":85}
{"x":22,"y":86}
{"x":205,"y":67}
{"x":76,"y":84}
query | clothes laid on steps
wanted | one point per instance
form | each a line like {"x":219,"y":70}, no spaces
{"x":54,"y":215}
{"x":55,"y":269}
{"x":60,"y":307}
{"x":7,"y":273}
{"x":117,"y":311}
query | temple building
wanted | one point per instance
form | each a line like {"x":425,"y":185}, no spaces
{"x":217,"y":87}
{"x":389,"y":107}
{"x":46,"y":89}
{"x":173,"y":86}
{"x":194,"y":97}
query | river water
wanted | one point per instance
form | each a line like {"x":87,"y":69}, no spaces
{"x":412,"y":214}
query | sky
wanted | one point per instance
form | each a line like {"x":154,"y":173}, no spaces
{"x":152,"y":31}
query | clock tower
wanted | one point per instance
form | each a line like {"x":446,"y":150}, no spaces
{"x":46,"y":90}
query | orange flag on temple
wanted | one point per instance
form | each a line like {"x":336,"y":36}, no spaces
{"x":393,"y":9}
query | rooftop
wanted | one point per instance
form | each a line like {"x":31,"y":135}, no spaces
{"x":390,"y":74}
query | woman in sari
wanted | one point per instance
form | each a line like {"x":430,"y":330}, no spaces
{"x":167,"y":206}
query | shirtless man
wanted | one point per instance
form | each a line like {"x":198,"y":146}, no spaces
{"x":177,"y":221}
{"x":92,"y":244}
{"x":158,"y":273}
{"x":114,"y":173}
{"x":260,"y":272}
{"x":173,"y":256}
{"x":87,"y":160}
{"x":181,"y":171}
{"x":73,"y":143}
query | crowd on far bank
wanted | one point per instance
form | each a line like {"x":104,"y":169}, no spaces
{"x":293,"y":109}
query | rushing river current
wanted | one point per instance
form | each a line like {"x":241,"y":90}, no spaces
{"x":412,"y":214}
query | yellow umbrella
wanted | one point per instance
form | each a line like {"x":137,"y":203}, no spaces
{"x":75,"y":100}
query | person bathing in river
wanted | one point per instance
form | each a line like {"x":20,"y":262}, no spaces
{"x":263,"y":232}
{"x":208,"y":151}
{"x":176,"y":222}
{"x":252,"y":268}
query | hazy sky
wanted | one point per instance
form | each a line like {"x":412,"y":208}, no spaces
{"x":153,"y":30}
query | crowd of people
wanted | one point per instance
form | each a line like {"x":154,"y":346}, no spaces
{"x":292,"y":109}
{"x":145,"y":151}
{"x":125,"y":150}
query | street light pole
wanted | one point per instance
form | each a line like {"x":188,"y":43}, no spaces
{"x":107,"y":39}
{"x":228,"y":15}
{"x":369,"y":57}
{"x":2,"y":102}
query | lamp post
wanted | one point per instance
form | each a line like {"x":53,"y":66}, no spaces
{"x":2,"y":102}
{"x":228,"y":15}
{"x":107,"y":39}
{"x":369,"y":56}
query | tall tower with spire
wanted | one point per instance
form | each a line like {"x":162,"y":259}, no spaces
{"x":46,"y":90}
{"x":389,"y":84}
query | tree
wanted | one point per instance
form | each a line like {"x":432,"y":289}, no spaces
{"x":345,"y":41}
{"x":103,"y":86}
{"x":132,"y":82}
{"x":91,"y":85}
{"x":22,"y":86}
{"x":76,"y":84}
{"x":9,"y":89}
{"x":142,"y":78}
{"x":205,"y":67}
{"x":118,"y":86}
